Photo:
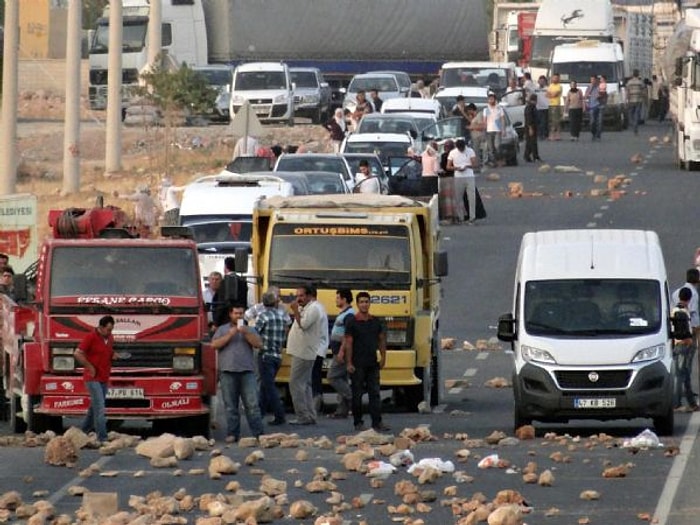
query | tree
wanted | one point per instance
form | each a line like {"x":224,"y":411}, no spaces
{"x":175,"y":93}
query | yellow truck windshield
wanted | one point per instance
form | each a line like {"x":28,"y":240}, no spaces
{"x":377,"y":256}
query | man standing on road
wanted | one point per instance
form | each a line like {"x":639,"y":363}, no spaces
{"x":272,"y":324}
{"x":337,"y":373}
{"x":683,"y":352}
{"x":494,"y":117}
{"x":554,"y":92}
{"x":234,"y":342}
{"x":531,"y":152}
{"x":364,"y":335}
{"x":542,"y":108}
{"x":692,"y":282}
{"x":96,"y":352}
{"x":635,"y":98}
{"x":303,"y":344}
{"x":595,"y":109}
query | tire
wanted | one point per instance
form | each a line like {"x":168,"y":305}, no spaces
{"x":692,"y":166}
{"x":39,"y":423}
{"x":290,"y":121}
{"x":520,"y":418}
{"x":317,"y":116}
{"x":664,"y":424}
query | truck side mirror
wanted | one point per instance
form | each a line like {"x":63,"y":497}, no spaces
{"x":440,"y":266}
{"x":241,"y":260}
{"x":506,"y":328}
{"x":20,"y":288}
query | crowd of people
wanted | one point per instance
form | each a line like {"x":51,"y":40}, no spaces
{"x":250,"y":343}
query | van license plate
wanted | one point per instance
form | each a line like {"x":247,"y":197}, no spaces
{"x":125,"y":393}
{"x":603,"y":402}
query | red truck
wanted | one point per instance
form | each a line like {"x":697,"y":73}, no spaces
{"x":166,"y":371}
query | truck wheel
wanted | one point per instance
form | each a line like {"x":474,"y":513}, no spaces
{"x":290,"y":122}
{"x":39,"y":423}
{"x":664,"y":424}
{"x":17,"y":423}
{"x":317,"y":118}
{"x":520,"y":418}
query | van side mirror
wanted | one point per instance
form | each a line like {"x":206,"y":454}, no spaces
{"x":440,"y":266}
{"x":506,"y":328}
{"x":235,"y":289}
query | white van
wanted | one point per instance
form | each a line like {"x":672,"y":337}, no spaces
{"x":588,"y":58}
{"x":218,"y":210}
{"x":268,"y":88}
{"x":590,"y":328}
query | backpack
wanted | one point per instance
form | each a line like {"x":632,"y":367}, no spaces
{"x":680,"y":323}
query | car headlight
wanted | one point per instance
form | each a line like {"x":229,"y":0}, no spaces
{"x":279,"y":99}
{"x":183,"y":359}
{"x":237,"y":99}
{"x":530,"y":353}
{"x":312,"y":99}
{"x":62,"y":359}
{"x":653,"y":353}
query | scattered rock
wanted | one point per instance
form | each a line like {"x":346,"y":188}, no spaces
{"x":546,"y":479}
{"x":302,"y":509}
{"x":525,"y":432}
{"x":589,"y":495}
{"x":447,"y":343}
{"x":60,"y":451}
{"x":183,"y":448}
{"x":157,"y":447}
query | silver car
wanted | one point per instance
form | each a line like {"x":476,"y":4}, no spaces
{"x":385,"y":83}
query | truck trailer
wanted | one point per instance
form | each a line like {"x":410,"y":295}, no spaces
{"x":340,"y":37}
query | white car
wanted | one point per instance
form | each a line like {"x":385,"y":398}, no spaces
{"x":268,"y":88}
{"x":385,"y":83}
{"x":423,"y":106}
{"x":384,"y":145}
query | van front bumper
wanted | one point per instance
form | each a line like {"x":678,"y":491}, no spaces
{"x":649,"y":394}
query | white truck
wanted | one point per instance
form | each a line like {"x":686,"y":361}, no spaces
{"x":566,"y":21}
{"x":680,"y":71}
{"x":580,"y":61}
{"x":508,"y":40}
{"x":184,"y":40}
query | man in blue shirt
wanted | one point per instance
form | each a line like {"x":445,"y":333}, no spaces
{"x":235,"y":342}
{"x":337,"y":373}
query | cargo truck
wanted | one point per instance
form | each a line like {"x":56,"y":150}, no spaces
{"x":386,"y":245}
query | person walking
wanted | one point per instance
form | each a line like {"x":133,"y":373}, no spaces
{"x":531,"y":151}
{"x":337,"y":372}
{"x":273,"y":325}
{"x":96,"y":353}
{"x":302,"y":345}
{"x":554,"y":93}
{"x":364,"y":336}
{"x":337,"y":129}
{"x":683,"y":352}
{"x":462,"y":161}
{"x":542,"y":108}
{"x":654,"y":107}
{"x":635,"y":100}
{"x":573,"y":106}
{"x":234,"y":343}
{"x":595,"y":110}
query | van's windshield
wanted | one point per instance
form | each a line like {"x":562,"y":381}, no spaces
{"x":592,"y":307}
{"x":582,"y":72}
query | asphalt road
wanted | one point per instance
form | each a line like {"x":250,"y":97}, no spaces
{"x":477,"y":291}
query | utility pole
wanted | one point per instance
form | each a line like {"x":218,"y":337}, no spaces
{"x":113,"y":155}
{"x":71,"y":126}
{"x":155,"y":30}
{"x":8,"y":121}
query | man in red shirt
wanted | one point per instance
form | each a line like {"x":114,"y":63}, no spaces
{"x":96,"y":352}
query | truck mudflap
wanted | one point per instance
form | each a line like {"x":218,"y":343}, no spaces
{"x":126,"y":396}
{"x":648,"y":395}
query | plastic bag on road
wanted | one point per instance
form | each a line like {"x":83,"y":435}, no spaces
{"x":645,"y":439}
{"x":379,"y":469}
{"x":489,"y":461}
{"x":436,"y":463}
{"x":402,"y":458}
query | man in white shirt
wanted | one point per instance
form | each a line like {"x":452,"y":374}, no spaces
{"x":494,"y":117}
{"x":462,"y":160}
{"x":365,"y":182}
{"x":245,"y":147}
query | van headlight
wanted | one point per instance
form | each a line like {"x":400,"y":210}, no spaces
{"x":237,"y":99}
{"x":653,"y":353}
{"x":62,"y":359}
{"x":530,"y":353}
{"x":279,"y":99}
{"x":183,"y":359}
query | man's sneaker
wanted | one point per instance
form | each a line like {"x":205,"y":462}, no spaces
{"x":381,"y":427}
{"x":276,"y":422}
{"x":359,"y":427}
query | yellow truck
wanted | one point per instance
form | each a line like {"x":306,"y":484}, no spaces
{"x":386,"y":245}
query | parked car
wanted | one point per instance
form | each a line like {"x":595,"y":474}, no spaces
{"x":312,"y":94}
{"x":246,"y":164}
{"x":477,"y":95}
{"x":384,"y":145}
{"x":394,"y":123}
{"x":325,"y":183}
{"x":414,"y":106}
{"x":375,"y":167}
{"x":386,"y":83}
{"x":304,"y":162}
{"x":268,"y":88}
{"x":299,"y":182}
{"x":402,"y":77}
{"x":219,"y":78}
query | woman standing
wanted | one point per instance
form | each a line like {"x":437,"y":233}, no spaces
{"x":574,"y":107}
{"x":430,"y":161}
{"x":337,"y":129}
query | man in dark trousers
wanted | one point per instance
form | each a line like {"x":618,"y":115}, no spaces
{"x":95,"y":353}
{"x":364,"y":335}
{"x":531,"y":152}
